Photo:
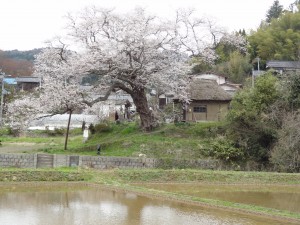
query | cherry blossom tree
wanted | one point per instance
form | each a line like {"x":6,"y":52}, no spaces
{"x":58,"y":94}
{"x":53,"y":98}
{"x":132,"y":52}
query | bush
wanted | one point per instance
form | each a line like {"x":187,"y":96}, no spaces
{"x":56,"y":132}
{"x":5,"y":131}
{"x":102,"y":127}
{"x":92,"y":128}
{"x":225,"y":150}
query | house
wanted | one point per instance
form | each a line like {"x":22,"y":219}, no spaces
{"x":115,"y":104}
{"x":209,"y":102}
{"x":221,"y":80}
{"x":23,"y":83}
{"x":283,"y":66}
{"x":230,"y":88}
{"x":165,"y":99}
{"x":28,"y":83}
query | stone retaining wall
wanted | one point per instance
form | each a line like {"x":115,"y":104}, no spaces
{"x":116,"y":162}
{"x":101,"y":162}
{"x":18,"y":160}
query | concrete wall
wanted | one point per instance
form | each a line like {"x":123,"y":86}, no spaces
{"x":100,"y":162}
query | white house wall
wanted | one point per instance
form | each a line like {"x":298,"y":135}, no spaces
{"x":61,"y":121}
{"x":219,"y":79}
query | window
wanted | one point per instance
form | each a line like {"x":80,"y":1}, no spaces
{"x":200,"y":109}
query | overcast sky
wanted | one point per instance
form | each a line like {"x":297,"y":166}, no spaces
{"x":26,"y":24}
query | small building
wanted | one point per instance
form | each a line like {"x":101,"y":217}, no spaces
{"x":28,"y":83}
{"x":231,"y":88}
{"x":283,"y":66}
{"x":165,"y":99}
{"x":209,"y":102}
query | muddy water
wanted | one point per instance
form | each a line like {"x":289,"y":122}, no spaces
{"x":89,"y":206}
{"x":280,"y":197}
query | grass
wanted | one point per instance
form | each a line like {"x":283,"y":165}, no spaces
{"x":182,"y":141}
{"x":27,"y":175}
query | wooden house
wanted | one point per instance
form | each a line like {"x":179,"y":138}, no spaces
{"x":209,"y":102}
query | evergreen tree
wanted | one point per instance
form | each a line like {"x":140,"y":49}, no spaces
{"x":274,"y":12}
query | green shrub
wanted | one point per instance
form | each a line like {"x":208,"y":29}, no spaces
{"x":102,"y":127}
{"x":56,"y":132}
{"x":224,"y":150}
{"x":76,"y":131}
{"x":5,"y":131}
{"x":92,"y":128}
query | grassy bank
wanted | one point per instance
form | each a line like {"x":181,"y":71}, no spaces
{"x":129,"y":176}
{"x":184,"y":141}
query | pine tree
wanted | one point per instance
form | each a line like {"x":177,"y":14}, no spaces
{"x":274,"y":12}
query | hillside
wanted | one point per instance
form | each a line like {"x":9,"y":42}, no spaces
{"x":18,"y":63}
{"x":182,"y":141}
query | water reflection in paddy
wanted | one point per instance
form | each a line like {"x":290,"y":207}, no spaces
{"x":281,"y":197}
{"x":89,"y":206}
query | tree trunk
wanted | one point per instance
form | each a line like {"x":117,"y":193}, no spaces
{"x":148,"y":121}
{"x":68,"y":129}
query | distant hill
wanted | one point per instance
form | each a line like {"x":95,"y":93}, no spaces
{"x":22,"y":55}
{"x":18,"y":63}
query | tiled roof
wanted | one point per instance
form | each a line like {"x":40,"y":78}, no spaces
{"x":284,"y":64}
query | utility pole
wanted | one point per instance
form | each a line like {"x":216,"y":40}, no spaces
{"x":2,"y":98}
{"x":253,"y":73}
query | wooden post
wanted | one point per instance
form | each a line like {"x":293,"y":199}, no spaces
{"x":68,"y":129}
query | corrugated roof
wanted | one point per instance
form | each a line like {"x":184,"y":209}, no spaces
{"x":10,"y":80}
{"x":283,"y":64}
{"x":28,"y":79}
{"x":207,"y":90}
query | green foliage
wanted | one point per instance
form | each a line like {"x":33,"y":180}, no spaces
{"x":92,"y":128}
{"x":278,"y":40}
{"x":56,"y":132}
{"x":102,"y":128}
{"x":237,"y":67}
{"x":200,"y":66}
{"x":248,"y":125}
{"x":225,"y":150}
{"x":29,"y":175}
{"x":274,"y":12}
{"x":172,"y":112}
{"x":293,"y":85}
{"x":5,"y":131}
